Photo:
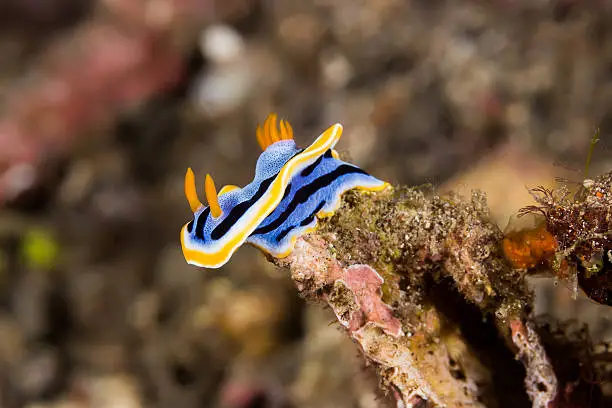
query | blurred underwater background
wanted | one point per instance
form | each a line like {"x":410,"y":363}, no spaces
{"x":104,"y":105}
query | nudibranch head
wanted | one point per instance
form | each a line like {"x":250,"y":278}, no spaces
{"x":232,"y":215}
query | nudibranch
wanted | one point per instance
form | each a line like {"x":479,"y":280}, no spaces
{"x":292,"y":187}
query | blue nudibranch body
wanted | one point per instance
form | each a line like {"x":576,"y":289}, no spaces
{"x":291,"y":188}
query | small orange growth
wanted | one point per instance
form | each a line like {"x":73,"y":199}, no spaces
{"x":528,"y":248}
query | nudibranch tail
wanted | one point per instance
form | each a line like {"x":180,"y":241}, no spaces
{"x":191,"y":192}
{"x":212,"y":197}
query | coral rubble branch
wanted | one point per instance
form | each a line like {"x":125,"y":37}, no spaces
{"x":540,"y":381}
{"x":380,"y":262}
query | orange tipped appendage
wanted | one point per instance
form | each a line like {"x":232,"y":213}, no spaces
{"x":212,"y":197}
{"x":190,"y":191}
{"x":286,"y":131}
{"x":269,"y":133}
{"x":271,"y":128}
{"x":261,"y":139}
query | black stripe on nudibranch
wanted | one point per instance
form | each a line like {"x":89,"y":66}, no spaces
{"x":199,"y":227}
{"x":302,"y":195}
{"x":308,"y":170}
{"x":303,"y":223}
{"x":239,"y":210}
{"x":190,"y":226}
{"x":287,"y":191}
{"x":309,"y":219}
